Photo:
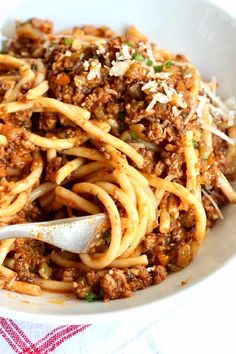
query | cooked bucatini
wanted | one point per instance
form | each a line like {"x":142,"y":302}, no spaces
{"x":90,"y":122}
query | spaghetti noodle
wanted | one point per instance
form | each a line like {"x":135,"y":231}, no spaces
{"x":95,"y":122}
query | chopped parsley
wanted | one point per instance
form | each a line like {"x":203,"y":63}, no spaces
{"x":149,"y":62}
{"x":95,"y":56}
{"x":169,"y":64}
{"x":68,"y":41}
{"x":158,"y":68}
{"x":107,"y":236}
{"x":91,"y":297}
{"x":130,"y":44}
{"x":205,"y":156}
{"x":138,"y":57}
{"x":133,"y":135}
{"x":195,"y":145}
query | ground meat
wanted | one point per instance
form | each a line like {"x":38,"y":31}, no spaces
{"x":28,"y":255}
{"x":52,"y":167}
{"x":48,"y":121}
{"x":159,"y":274}
{"x":20,"y":119}
{"x":30,"y":37}
{"x":18,"y":152}
{"x":118,"y":283}
{"x":81,"y":287}
{"x":114,"y":285}
{"x":67,"y":274}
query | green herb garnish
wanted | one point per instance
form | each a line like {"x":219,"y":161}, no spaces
{"x":205,"y":156}
{"x":158,"y":68}
{"x":133,"y":135}
{"x":138,"y":57}
{"x":68,"y":41}
{"x":169,"y":64}
{"x":45,"y":271}
{"x":107,"y":236}
{"x":149,"y":62}
{"x":130,"y":44}
{"x":195,"y":145}
{"x":95,"y":56}
{"x":91,"y":297}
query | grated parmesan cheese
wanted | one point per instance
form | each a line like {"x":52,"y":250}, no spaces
{"x":101,"y":47}
{"x":203,"y":99}
{"x":220,"y":134}
{"x":157,"y":97}
{"x":199,"y":110}
{"x":150,"y":52}
{"x":170,"y":91}
{"x":95,"y":70}
{"x":188,"y":76}
{"x":68,"y":53}
{"x":150,"y":86}
{"x":180,"y":101}
{"x":124,"y":53}
{"x":163,"y":76}
{"x":119,"y":68}
{"x":213,"y":203}
{"x":176,"y":111}
{"x":172,"y":94}
{"x":86,"y":65}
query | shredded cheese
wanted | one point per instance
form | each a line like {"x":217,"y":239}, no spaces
{"x":163,"y":76}
{"x":119,"y":68}
{"x":150,"y":86}
{"x":220,"y":134}
{"x":213,"y":203}
{"x":95,"y":70}
{"x":170,"y":91}
{"x":101,"y":47}
{"x":157,"y":97}
{"x":188,"y":76}
{"x":150,"y":51}
{"x":176,"y":111}
{"x":124,"y":53}
{"x":86,"y":65}
{"x":180,"y":101}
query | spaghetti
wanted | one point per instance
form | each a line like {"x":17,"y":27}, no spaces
{"x":95,"y":122}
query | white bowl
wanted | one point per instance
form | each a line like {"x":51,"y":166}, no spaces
{"x":206,"y":35}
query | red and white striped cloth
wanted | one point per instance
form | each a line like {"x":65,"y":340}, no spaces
{"x":21,"y":343}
